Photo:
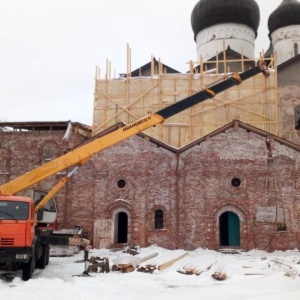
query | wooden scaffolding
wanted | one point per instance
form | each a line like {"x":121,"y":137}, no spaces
{"x":129,"y":98}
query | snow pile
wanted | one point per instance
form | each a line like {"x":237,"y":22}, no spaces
{"x":250,"y":275}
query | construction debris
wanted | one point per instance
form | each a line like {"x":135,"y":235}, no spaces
{"x":98,"y":265}
{"x":219,"y":276}
{"x":187,"y":270}
{"x":128,"y":263}
{"x":161,"y":262}
{"x":94,"y":264}
{"x":133,"y":250}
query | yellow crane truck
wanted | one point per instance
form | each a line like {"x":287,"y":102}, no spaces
{"x":24,"y":241}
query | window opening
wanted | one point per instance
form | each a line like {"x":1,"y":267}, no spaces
{"x":236,"y":182}
{"x":297,"y":117}
{"x":48,"y":153}
{"x":13,"y":210}
{"x":159,"y":219}
{"x":121,"y":183}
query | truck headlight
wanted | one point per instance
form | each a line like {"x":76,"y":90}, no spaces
{"x":21,"y":256}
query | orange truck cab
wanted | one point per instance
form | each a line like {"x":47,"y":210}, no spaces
{"x":17,"y":223}
{"x":17,"y":234}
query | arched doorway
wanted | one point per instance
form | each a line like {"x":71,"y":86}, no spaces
{"x":229,"y":228}
{"x":122,"y":234}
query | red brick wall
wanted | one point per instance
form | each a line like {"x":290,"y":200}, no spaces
{"x":193,"y":189}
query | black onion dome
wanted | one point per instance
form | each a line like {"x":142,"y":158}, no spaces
{"x":287,"y":13}
{"x":211,"y":12}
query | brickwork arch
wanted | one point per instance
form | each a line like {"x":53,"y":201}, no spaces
{"x":239,"y":209}
{"x":116,"y":206}
{"x":49,"y":150}
{"x":106,"y":227}
{"x":244,"y":216}
{"x":233,"y":208}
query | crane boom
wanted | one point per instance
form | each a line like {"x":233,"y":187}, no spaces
{"x":79,"y":155}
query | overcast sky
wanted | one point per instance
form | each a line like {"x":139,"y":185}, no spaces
{"x":50,"y":49}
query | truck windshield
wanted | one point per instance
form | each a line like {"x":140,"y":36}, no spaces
{"x":12,"y":210}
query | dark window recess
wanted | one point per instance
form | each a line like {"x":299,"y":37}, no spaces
{"x":159,"y":219}
{"x":281,"y":227}
{"x":236,"y":182}
{"x":121,"y":183}
{"x":297,"y":117}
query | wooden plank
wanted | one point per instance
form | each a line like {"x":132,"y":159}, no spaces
{"x":121,"y":266}
{"x":134,"y":260}
{"x":162,"y":261}
{"x":169,"y":263}
{"x":127,"y":269}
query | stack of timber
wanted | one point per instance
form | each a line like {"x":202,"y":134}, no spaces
{"x":128,"y":263}
{"x":219,"y":275}
{"x":193,"y":265}
{"x":193,"y":270}
{"x":161,"y":262}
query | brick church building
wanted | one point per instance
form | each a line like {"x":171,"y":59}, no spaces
{"x":233,"y":184}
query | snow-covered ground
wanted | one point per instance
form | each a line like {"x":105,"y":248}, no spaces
{"x":250,"y":275}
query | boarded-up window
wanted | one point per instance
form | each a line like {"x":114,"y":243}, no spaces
{"x":48,"y":153}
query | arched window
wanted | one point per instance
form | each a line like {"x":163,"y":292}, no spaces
{"x":295,"y":49}
{"x":48,"y":153}
{"x":159,"y":219}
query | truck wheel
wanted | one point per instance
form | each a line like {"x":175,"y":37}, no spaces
{"x":28,"y":268}
{"x":42,"y":262}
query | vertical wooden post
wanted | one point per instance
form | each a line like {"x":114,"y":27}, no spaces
{"x":128,"y":77}
{"x":152,"y":66}
{"x":224,"y":58}
{"x":201,"y":65}
{"x":106,"y":69}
